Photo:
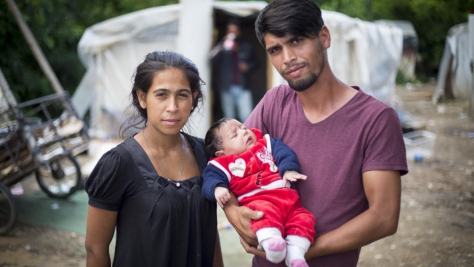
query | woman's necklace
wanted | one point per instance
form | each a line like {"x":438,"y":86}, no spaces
{"x":177,"y":183}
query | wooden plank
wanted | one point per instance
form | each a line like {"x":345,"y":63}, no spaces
{"x":6,"y":91}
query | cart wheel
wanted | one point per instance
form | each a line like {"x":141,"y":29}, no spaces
{"x":8,"y":210}
{"x":61,"y":178}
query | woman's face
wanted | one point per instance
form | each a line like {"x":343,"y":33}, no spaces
{"x":168,"y":102}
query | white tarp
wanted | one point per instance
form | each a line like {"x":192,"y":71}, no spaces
{"x":410,"y":46}
{"x":362,"y":53}
{"x":455,"y":70}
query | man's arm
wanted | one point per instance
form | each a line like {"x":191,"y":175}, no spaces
{"x":383,"y":191}
{"x":250,"y":59}
{"x":215,"y":52}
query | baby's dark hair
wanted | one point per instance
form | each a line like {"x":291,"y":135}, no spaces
{"x":212,"y":141}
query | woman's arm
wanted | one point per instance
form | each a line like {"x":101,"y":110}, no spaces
{"x":99,"y":232}
{"x":218,"y":260}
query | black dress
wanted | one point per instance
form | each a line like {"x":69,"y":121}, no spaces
{"x":158,"y":224}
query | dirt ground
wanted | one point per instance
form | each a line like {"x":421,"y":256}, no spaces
{"x":437,"y":216}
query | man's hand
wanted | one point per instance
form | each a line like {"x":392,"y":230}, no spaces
{"x":243,"y":67}
{"x":240,"y":218}
{"x":292,"y":176}
{"x":222,"y":195}
{"x":257,"y":251}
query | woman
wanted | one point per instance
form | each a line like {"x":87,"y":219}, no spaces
{"x":149,"y":186}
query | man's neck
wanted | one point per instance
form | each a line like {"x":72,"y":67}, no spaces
{"x":324,"y":98}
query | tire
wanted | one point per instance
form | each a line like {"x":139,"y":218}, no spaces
{"x":8,"y":209}
{"x":62,"y":179}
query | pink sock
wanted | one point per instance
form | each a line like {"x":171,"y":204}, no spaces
{"x":275,"y":249}
{"x":298,"y":263}
{"x":276,"y":244}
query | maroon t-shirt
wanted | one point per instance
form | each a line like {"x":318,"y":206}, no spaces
{"x":363,"y":135}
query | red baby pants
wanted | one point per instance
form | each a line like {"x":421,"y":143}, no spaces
{"x":282,"y":209}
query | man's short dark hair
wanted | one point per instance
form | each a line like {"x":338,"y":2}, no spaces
{"x":289,"y":17}
{"x":234,"y":21}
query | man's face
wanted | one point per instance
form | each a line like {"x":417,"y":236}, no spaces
{"x":234,"y":29}
{"x":299,"y":60}
{"x":236,"y":138}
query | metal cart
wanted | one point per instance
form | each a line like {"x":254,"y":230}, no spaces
{"x":40,"y":136}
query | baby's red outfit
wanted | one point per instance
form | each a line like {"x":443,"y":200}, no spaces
{"x":255,"y":180}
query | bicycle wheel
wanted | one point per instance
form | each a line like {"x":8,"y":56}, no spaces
{"x":60,"y":178}
{"x":8,"y":210}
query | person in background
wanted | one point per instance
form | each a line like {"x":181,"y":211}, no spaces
{"x":349,"y":144}
{"x":148,"y":188}
{"x":234,"y":59}
{"x":258,"y":169}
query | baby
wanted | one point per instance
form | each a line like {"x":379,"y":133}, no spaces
{"x":252,"y":165}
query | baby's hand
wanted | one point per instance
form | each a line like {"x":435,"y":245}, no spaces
{"x":292,"y":176}
{"x":222,"y":195}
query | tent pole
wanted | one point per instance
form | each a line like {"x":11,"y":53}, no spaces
{"x":35,"y":48}
{"x":195,"y":32}
{"x":471,"y":45}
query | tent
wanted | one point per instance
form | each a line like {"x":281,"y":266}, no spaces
{"x":362,"y":53}
{"x":410,"y":46}
{"x":455,"y":72}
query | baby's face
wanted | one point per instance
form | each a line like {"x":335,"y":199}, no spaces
{"x":236,"y":138}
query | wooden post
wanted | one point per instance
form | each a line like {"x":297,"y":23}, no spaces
{"x":5,"y":90}
{"x":38,"y":53}
{"x":5,"y":93}
{"x":471,"y":45}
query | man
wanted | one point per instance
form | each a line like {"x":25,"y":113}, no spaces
{"x":234,"y":59}
{"x":349,"y":144}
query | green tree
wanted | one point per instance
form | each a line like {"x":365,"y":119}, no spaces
{"x":57,"y":26}
{"x":432,"y":20}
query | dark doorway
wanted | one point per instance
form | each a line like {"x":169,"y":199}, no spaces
{"x":258,"y":77}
